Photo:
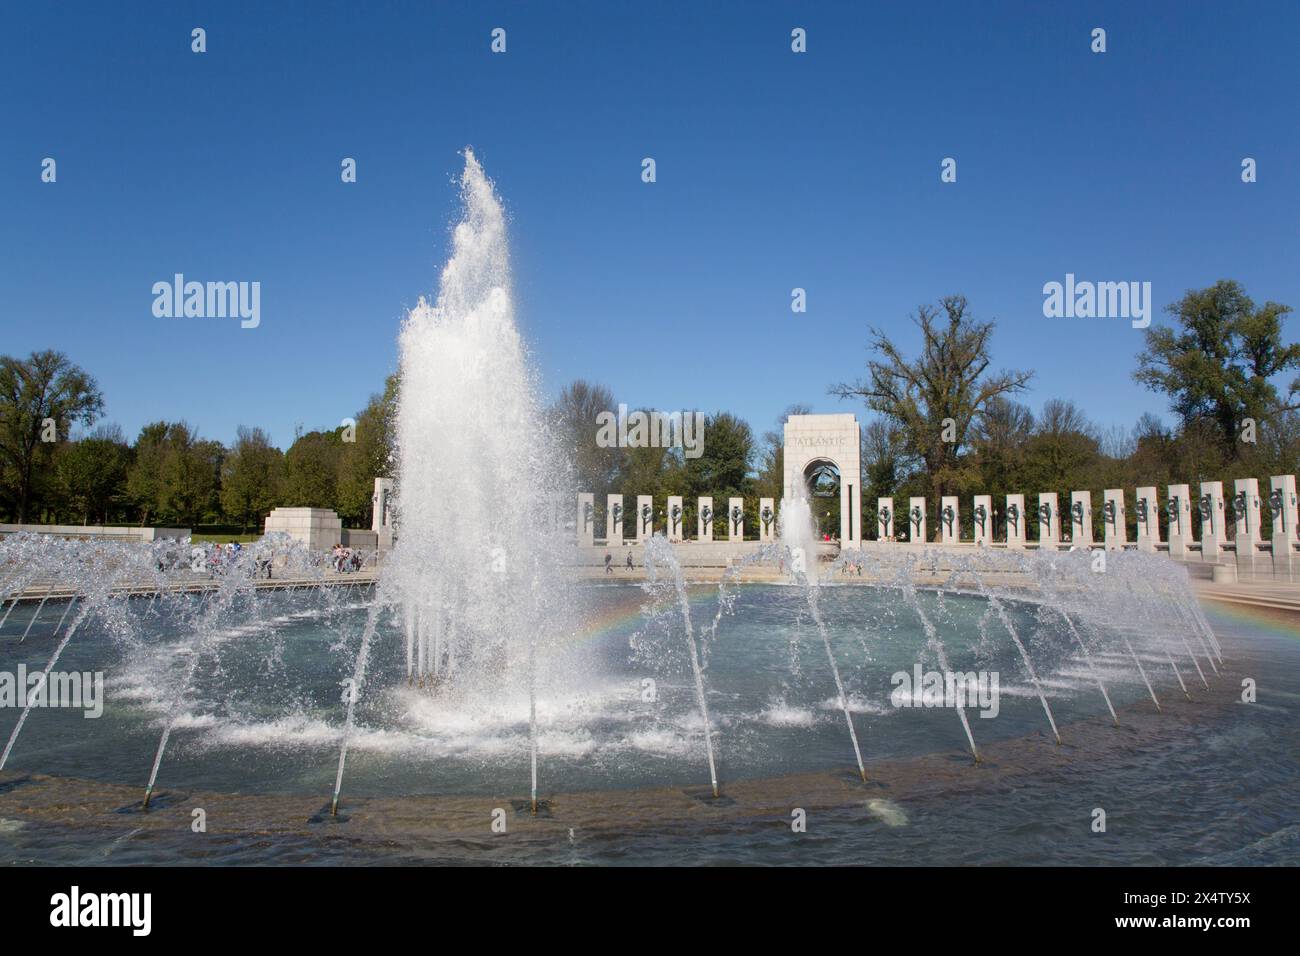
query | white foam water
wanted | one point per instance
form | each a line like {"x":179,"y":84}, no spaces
{"x":475,"y":563}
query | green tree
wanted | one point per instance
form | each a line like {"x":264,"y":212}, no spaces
{"x":1060,"y":450}
{"x":144,"y":479}
{"x":91,"y":473}
{"x":250,"y":477}
{"x":934,"y":399}
{"x":1217,"y":363}
{"x":311,"y":470}
{"x":176,"y":476}
{"x":42,"y":389}
{"x":191,"y":477}
{"x":369,"y":457}
{"x":726,"y":454}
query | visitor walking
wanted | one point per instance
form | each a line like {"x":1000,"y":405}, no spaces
{"x":609,"y":563}
{"x":629,"y":561}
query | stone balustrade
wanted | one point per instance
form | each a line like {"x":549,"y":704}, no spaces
{"x":1254,"y":534}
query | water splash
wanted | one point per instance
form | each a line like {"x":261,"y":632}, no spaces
{"x":476,"y":567}
{"x":796,"y":530}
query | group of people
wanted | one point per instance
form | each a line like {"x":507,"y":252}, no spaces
{"x":212,"y":559}
{"x":609,"y":562}
{"x":345,"y":559}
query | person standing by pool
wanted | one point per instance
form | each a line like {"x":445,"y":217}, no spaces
{"x":609,"y":563}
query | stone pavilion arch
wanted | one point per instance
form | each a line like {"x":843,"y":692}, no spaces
{"x":823,"y":449}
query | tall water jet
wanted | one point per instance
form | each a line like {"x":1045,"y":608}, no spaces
{"x":660,"y":552}
{"x":476,"y":563}
{"x":795,"y":529}
{"x":1024,"y":654}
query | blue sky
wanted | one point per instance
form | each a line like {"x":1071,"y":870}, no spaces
{"x":775,"y":170}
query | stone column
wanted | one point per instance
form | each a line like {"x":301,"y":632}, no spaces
{"x":916,"y":521}
{"x":853,"y":519}
{"x":1081,"y":519}
{"x":644,"y":518}
{"x":735,"y":520}
{"x":704,"y":518}
{"x":885,"y":519}
{"x":676,"y":518}
{"x":1246,"y":514}
{"x":586,"y":519}
{"x":1282,"y":506}
{"x":1179,"y":510}
{"x":1213,"y":532}
{"x":381,"y":520}
{"x":1245,"y":509}
{"x":982,"y":520}
{"x":614,"y":521}
{"x":1148,"y":519}
{"x":1016,"y":519}
{"x":766,"y":519}
{"x":1113,"y":519}
{"x":1049,"y":521}
{"x":950,"y":519}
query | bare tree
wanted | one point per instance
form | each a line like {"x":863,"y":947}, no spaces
{"x":934,"y":398}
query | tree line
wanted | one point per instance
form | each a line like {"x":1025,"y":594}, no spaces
{"x":943,"y":421}
{"x":168,"y":475}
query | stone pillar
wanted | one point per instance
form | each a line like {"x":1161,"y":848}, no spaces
{"x":614,"y":521}
{"x":1049,"y":521}
{"x":857,"y":534}
{"x":1081,"y":519}
{"x":1113,"y":519}
{"x":644,"y":518}
{"x":735,"y":519}
{"x":586,"y":519}
{"x":381,"y":520}
{"x":885,"y":519}
{"x":1246,"y":514}
{"x":676,"y":518}
{"x":1148,"y":519}
{"x":704,"y":519}
{"x":1282,"y":506}
{"x":1179,"y":510}
{"x":916,"y":521}
{"x":1016,"y":519}
{"x":1213,"y":533}
{"x":766,"y":519}
{"x":950,"y":520}
{"x":982,"y":520}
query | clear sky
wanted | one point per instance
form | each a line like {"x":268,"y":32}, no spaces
{"x":775,"y":170}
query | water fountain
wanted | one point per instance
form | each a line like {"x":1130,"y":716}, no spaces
{"x":474,"y":648}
